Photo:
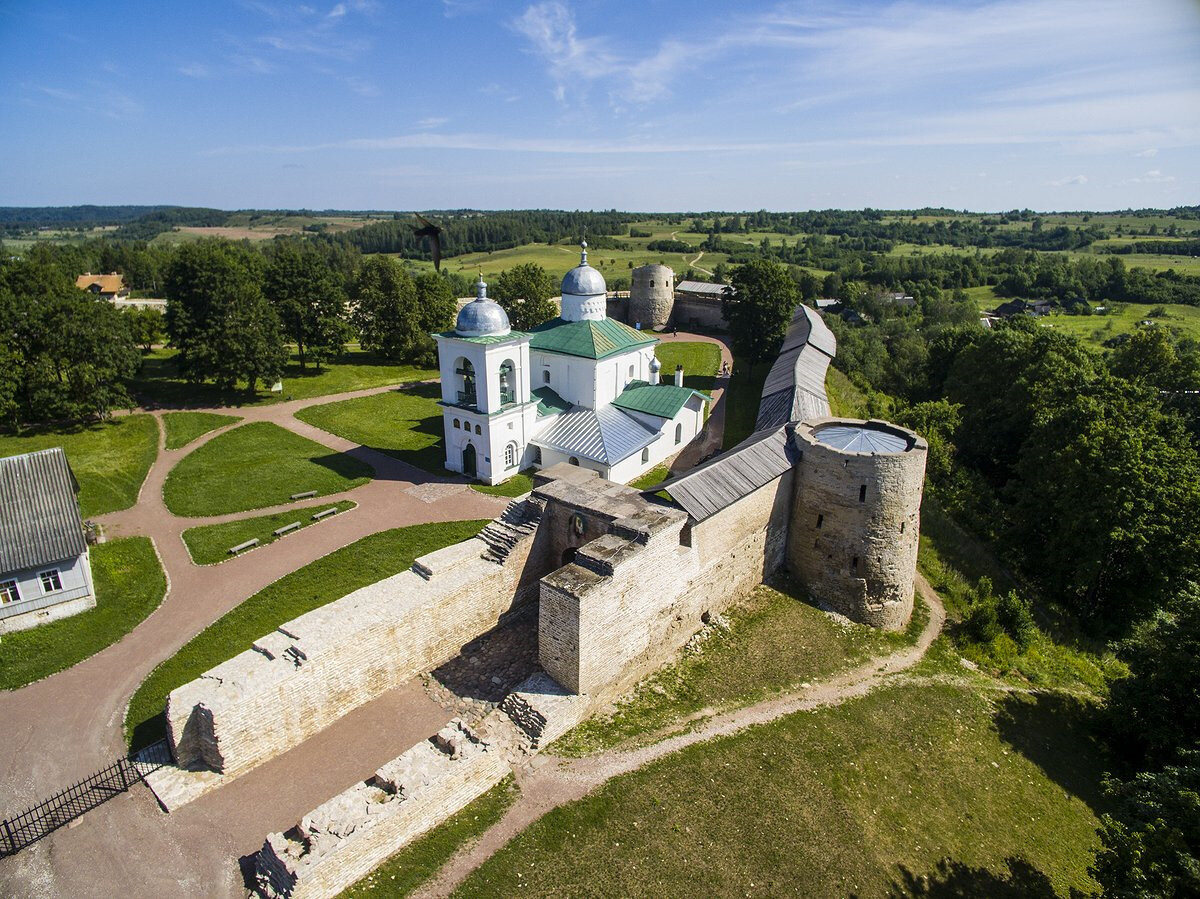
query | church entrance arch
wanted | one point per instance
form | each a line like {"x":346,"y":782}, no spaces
{"x":468,"y":460}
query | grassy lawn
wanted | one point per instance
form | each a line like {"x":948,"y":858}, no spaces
{"x":160,"y":383}
{"x":700,"y":362}
{"x":110,"y":459}
{"x":405,"y":423}
{"x":655,"y":475}
{"x":184,"y":427}
{"x":741,"y":401}
{"x":850,"y":800}
{"x":517,"y":485}
{"x":845,"y":400}
{"x":776,"y":642}
{"x":257,"y":465}
{"x":210,"y":543}
{"x":129,"y":586}
{"x":421,"y":859}
{"x":331,"y":577}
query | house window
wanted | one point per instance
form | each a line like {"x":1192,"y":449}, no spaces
{"x":862,"y":493}
{"x":51,"y":582}
{"x":9,"y":592}
{"x":510,"y":455}
{"x":631,"y":372}
{"x":679,"y":433}
{"x":477,"y":430}
{"x":545,"y":376}
{"x":456,"y":425}
{"x":646,"y":454}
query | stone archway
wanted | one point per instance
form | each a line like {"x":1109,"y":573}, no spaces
{"x":469,"y":460}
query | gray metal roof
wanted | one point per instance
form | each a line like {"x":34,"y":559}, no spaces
{"x":39,"y":516}
{"x":605,"y":435}
{"x":701,"y":287}
{"x":757,"y":460}
{"x":795,"y":386}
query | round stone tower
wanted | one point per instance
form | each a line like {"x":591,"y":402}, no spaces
{"x":856,"y":517}
{"x":651,"y":296}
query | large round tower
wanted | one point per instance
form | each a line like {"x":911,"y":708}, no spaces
{"x":651,"y":296}
{"x":856,"y":517}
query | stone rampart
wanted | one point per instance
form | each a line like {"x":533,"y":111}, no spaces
{"x":699,"y":311}
{"x":306,"y":674}
{"x":856,"y":523}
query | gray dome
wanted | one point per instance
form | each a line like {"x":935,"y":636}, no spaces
{"x":482,"y":317}
{"x":583,"y":280}
{"x":655,"y":365}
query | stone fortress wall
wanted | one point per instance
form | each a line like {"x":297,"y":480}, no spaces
{"x":622,"y":579}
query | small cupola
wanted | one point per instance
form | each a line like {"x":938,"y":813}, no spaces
{"x":482,"y":317}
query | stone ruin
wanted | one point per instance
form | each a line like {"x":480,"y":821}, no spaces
{"x":620,"y":580}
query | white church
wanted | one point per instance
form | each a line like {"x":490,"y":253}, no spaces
{"x":581,"y":388}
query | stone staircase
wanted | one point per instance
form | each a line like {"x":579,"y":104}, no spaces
{"x":519,"y":519}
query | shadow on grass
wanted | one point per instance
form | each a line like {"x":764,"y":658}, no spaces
{"x":148,"y":732}
{"x":1057,"y":732}
{"x":953,"y":878}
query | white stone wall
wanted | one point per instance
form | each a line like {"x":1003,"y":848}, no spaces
{"x":305,"y":675}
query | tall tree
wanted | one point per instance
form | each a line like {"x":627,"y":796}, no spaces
{"x":384,"y":303}
{"x":309,"y":299}
{"x":436,"y":310}
{"x":758,"y":307}
{"x":225,"y":329}
{"x":525,"y":291}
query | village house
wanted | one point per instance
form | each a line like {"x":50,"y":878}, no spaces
{"x":45,"y":570}
{"x":110,"y":286}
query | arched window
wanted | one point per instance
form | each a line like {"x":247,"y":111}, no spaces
{"x":545,"y":376}
{"x":573,"y":460}
{"x":477,"y":430}
{"x":631,"y":372}
{"x":456,"y":424}
{"x":508,"y":382}
{"x":510,"y":455}
{"x":646,"y":454}
{"x":465,"y":375}
{"x":537,"y":455}
{"x":679,"y":433}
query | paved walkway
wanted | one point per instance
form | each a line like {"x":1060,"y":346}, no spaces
{"x":547,"y":781}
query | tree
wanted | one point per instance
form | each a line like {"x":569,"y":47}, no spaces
{"x":525,"y":291}
{"x":146,"y":324}
{"x":385,"y":314}
{"x":758,"y":307}
{"x":437,"y":307}
{"x":1152,"y":840}
{"x":309,"y":299}
{"x":217,"y":317}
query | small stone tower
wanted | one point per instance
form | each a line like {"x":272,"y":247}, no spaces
{"x":651,"y":296}
{"x":856,"y":517}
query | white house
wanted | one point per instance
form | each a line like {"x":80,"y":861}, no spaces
{"x":45,"y":572}
{"x":581,"y":388}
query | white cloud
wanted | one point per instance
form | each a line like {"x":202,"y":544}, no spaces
{"x":1154,"y":176}
{"x":1072,"y":180}
{"x":338,"y":11}
{"x":195,"y":70}
{"x":432,"y":122}
{"x":1149,"y":152}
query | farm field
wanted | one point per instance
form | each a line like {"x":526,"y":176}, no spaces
{"x":109,"y":459}
{"x":1095,"y":329}
{"x":257,"y":465}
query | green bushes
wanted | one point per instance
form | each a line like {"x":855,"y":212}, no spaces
{"x":989,"y":616}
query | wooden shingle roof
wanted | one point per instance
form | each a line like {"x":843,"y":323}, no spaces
{"x":40,"y":520}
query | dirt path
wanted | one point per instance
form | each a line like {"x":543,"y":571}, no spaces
{"x":548,"y":781}
{"x":692,"y":264}
{"x":43,"y":753}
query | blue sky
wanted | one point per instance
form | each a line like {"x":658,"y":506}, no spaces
{"x":654,"y":105}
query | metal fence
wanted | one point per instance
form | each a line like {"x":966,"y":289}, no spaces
{"x":41,"y":820}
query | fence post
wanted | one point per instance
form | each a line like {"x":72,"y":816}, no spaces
{"x":124,"y":779}
{"x":12,"y":841}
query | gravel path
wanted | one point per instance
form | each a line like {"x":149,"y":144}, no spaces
{"x":548,"y":781}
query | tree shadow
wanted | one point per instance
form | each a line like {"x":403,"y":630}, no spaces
{"x":347,"y":465}
{"x":951,"y":878}
{"x":1058,"y":733}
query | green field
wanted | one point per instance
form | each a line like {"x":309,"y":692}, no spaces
{"x":109,"y":459}
{"x":184,"y":427}
{"x":406,"y":424}
{"x":701,"y":361}
{"x":160,"y":384}
{"x":331,"y":577}
{"x":1123,"y":319}
{"x":257,"y":465}
{"x":129,"y":584}
{"x":844,"y":801}
{"x":209,"y":543}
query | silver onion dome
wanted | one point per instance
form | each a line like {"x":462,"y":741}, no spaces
{"x":655,"y":365}
{"x":583,"y":280}
{"x":482,"y":317}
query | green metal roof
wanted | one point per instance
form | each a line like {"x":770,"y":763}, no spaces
{"x":589,"y":339}
{"x":485,"y":339}
{"x":662,"y":400}
{"x":549,"y":402}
